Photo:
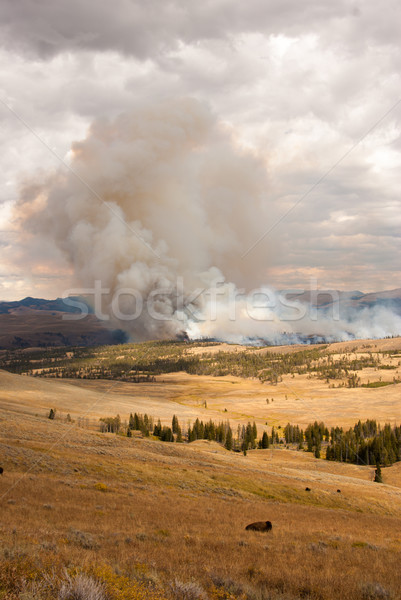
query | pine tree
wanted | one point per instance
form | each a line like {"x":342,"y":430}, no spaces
{"x":175,"y":424}
{"x":378,"y":474}
{"x":157,"y":429}
{"x":191,"y":434}
{"x":229,"y":439}
{"x":179,"y":435}
{"x":166,"y":434}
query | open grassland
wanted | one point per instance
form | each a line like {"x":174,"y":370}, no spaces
{"x":144,"y":519}
{"x":295,"y":400}
{"x":338,"y":384}
{"x":154,"y":520}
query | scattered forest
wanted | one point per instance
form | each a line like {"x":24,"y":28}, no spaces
{"x":144,"y":362}
{"x":366,"y":443}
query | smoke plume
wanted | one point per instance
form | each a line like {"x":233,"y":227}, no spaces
{"x":155,"y":213}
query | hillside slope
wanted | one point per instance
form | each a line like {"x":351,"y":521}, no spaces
{"x":141,"y":517}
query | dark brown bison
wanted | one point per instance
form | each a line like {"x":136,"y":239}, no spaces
{"x":339,"y":491}
{"x":307,"y":489}
{"x":1,"y":470}
{"x":260,"y":526}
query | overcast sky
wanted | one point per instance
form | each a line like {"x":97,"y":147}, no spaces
{"x":309,"y":87}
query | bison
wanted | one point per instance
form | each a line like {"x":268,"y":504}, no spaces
{"x":260,"y":526}
{"x":307,"y":489}
{"x":1,"y":470}
{"x":338,"y":491}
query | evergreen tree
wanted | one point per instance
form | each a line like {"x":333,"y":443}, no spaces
{"x":378,"y":474}
{"x":273,"y":436}
{"x":137,"y":424}
{"x":192,"y":434}
{"x":117,"y":424}
{"x":175,"y":424}
{"x":166,"y":434}
{"x":229,"y":439}
{"x":301,"y":440}
{"x":179,"y":435}
{"x":157,"y":429}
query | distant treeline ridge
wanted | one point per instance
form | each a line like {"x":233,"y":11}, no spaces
{"x":366,"y":443}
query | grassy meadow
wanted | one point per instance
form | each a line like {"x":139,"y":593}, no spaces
{"x":99,"y":516}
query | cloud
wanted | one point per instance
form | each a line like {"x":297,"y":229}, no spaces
{"x":151,"y":29}
{"x":145,"y":29}
{"x":297,"y":84}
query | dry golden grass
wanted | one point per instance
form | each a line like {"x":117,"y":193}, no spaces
{"x":153,"y":520}
{"x":296,"y":399}
{"x":147,"y":513}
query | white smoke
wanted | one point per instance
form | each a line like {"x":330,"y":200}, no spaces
{"x":266,"y":315}
{"x":157,"y":210}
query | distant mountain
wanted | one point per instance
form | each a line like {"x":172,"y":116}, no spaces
{"x":58,"y":305}
{"x":36,"y":322}
{"x":390,"y":299}
{"x":322,"y":297}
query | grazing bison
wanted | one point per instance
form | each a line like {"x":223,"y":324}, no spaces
{"x":260,"y":526}
{"x":339,"y":491}
{"x":1,"y":470}
{"x":307,"y":489}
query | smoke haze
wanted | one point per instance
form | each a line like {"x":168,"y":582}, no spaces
{"x":159,"y":205}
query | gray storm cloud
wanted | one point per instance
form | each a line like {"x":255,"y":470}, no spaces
{"x":141,"y":29}
{"x":157,"y":212}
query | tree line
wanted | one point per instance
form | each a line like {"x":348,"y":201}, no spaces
{"x":366,"y":443}
{"x":243,"y":439}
